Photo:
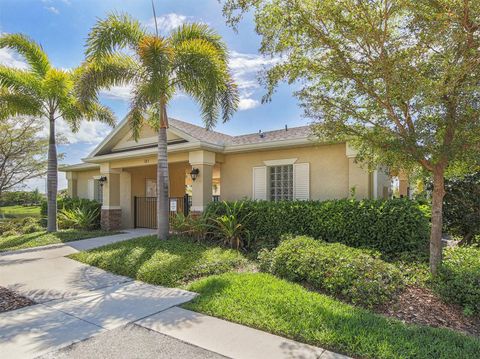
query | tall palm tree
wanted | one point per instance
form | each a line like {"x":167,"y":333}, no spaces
{"x":45,"y":92}
{"x":192,"y":59}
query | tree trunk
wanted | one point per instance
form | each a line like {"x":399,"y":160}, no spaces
{"x":437,"y":219}
{"x":162,"y":178}
{"x":52,"y":180}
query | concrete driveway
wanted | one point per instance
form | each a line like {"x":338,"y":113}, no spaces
{"x":86,"y":312}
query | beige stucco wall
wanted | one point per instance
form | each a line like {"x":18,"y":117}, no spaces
{"x":82,"y":182}
{"x":139,"y":175}
{"x":329,"y":171}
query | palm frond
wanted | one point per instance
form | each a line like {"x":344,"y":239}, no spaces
{"x":117,"y":30}
{"x":156,"y":55}
{"x":20,"y":81}
{"x":229,"y":98}
{"x":112,"y":70}
{"x":73,"y":112}
{"x":194,"y":31}
{"x":29,"y":49}
{"x":136,"y":120}
{"x":202,"y":72}
{"x":13,"y":104}
{"x":57,"y":84}
{"x":98,"y":112}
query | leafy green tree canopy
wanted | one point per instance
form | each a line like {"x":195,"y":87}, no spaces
{"x":397,"y":78}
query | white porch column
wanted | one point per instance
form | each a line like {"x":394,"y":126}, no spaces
{"x":202,"y":186}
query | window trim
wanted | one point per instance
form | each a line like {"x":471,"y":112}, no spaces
{"x":282,"y":162}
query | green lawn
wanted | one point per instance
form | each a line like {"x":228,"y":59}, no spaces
{"x":20,"y":211}
{"x":170,"y":263}
{"x":43,"y":238}
{"x":277,"y":306}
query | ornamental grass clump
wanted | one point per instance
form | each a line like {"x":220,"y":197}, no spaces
{"x":354,"y":275}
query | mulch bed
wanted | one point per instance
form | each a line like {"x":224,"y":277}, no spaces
{"x":421,"y":306}
{"x":10,"y":300}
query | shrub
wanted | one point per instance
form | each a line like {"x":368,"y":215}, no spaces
{"x":67,"y":204}
{"x":458,"y":279}
{"x":18,"y":226}
{"x":195,"y":227}
{"x":461,"y":210}
{"x":84,"y":218}
{"x":391,"y":227}
{"x":231,"y":226}
{"x":348,"y":273}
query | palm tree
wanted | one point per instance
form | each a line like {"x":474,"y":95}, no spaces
{"x":192,"y":59}
{"x":45,"y":92}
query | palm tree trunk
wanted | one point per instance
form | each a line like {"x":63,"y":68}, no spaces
{"x":52,"y":179}
{"x":437,"y":220}
{"x":162,"y":178}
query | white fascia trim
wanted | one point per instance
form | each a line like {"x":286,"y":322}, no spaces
{"x":152,"y":151}
{"x":107,"y":139}
{"x":79,"y":167}
{"x":123,"y":123}
{"x":268,"y":145}
{"x":283,"y":162}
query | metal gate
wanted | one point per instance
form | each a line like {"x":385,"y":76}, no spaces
{"x":145,"y":210}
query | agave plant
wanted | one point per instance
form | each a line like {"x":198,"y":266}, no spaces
{"x":231,"y":226}
{"x":191,"y":59}
{"x":79,"y":218}
{"x":196,"y":227}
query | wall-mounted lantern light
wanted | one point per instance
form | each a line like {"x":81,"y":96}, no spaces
{"x":102,"y":180}
{"x":194,"y":173}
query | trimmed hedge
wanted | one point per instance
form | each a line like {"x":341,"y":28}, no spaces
{"x":458,"y":279}
{"x":348,"y":273}
{"x":391,"y":227}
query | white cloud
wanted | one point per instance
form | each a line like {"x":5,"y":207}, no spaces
{"x":90,"y":132}
{"x":123,"y":93}
{"x":245,"y":69}
{"x":168,"y":22}
{"x":53,"y":9}
{"x":247,"y":104}
{"x":11,"y":59}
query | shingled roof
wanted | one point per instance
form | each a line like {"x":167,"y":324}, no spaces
{"x":222,"y":139}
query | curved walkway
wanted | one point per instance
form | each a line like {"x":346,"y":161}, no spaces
{"x":77,"y":302}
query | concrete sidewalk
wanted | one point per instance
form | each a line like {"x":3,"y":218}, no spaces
{"x":80,"y":304}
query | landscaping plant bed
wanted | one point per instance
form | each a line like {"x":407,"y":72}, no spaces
{"x":9,"y":300}
{"x":418,"y":305}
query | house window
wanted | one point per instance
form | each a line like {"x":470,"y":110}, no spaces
{"x":98,"y":191}
{"x":281,"y":182}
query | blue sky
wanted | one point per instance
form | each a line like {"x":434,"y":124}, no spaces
{"x":61,"y":27}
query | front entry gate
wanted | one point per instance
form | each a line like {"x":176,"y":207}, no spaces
{"x":145,"y":210}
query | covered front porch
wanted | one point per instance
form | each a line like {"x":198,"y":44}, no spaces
{"x":129,"y":188}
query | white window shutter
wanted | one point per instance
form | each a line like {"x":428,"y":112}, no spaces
{"x":91,"y":189}
{"x":259,"y":183}
{"x":301,"y":181}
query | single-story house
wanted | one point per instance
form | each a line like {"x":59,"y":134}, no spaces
{"x":286,"y":164}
